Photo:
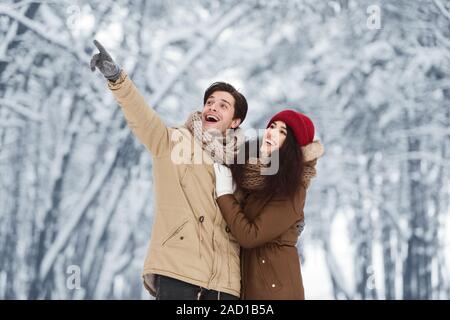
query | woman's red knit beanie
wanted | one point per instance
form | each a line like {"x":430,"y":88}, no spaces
{"x":301,"y":125}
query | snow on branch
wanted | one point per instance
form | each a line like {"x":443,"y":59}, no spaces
{"x":7,"y":40}
{"x":420,"y":155}
{"x":23,"y":111}
{"x":23,"y":3}
{"x":220,"y":25}
{"x":41,"y":31}
{"x":69,"y":226}
{"x":431,"y":131}
{"x":441,"y":7}
{"x":11,"y":123}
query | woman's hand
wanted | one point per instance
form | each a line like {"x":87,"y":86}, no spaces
{"x":224,"y":180}
{"x":105,"y":63}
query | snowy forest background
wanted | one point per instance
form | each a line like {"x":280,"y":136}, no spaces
{"x":76,"y":192}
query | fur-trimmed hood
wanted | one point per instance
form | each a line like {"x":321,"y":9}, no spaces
{"x":313,"y":151}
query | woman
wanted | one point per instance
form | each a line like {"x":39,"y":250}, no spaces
{"x":265,"y":213}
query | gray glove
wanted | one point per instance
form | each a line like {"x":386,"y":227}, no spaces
{"x":105,"y":63}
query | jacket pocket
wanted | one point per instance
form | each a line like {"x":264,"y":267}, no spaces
{"x":174,"y":232}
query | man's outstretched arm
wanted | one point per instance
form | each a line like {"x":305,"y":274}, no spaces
{"x":145,"y":123}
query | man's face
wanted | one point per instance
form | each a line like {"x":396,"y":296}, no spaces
{"x":218,"y":112}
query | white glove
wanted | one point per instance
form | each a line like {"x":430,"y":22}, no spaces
{"x":224,"y":180}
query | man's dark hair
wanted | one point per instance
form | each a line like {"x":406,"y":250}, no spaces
{"x":240,"y":105}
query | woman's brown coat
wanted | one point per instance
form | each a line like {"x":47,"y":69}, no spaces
{"x":267,"y":230}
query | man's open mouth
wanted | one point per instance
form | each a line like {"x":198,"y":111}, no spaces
{"x":211,"y":118}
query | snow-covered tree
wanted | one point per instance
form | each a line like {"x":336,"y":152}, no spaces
{"x":76,"y":186}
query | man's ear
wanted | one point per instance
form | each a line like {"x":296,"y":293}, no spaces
{"x":235,"y":123}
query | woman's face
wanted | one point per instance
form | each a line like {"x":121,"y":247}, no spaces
{"x":274,"y":137}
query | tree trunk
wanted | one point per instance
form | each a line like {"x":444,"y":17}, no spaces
{"x":417,"y":265}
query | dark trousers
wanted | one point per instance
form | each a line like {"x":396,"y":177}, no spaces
{"x":173,"y":289}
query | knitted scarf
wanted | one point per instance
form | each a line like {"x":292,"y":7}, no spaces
{"x":221,"y":149}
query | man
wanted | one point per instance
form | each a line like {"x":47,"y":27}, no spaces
{"x":192,"y":254}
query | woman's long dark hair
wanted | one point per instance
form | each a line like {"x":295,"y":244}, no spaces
{"x":287,"y":180}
